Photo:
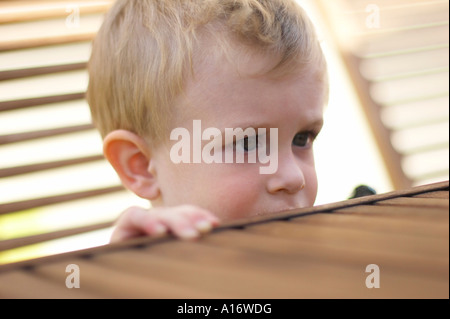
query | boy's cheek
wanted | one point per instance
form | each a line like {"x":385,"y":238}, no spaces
{"x":232,"y":197}
{"x":312,"y":186}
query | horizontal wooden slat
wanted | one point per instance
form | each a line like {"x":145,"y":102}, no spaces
{"x":415,"y":202}
{"x":435,"y":214}
{"x":226,"y":270}
{"x":137,"y":285}
{"x":387,"y":34}
{"x":354,"y":238}
{"x":27,"y":285}
{"x":396,"y":15}
{"x":378,"y":224}
{"x":425,"y":148}
{"x":21,"y":11}
{"x":320,"y":253}
{"x":386,"y":93}
{"x":34,"y":239}
{"x":21,"y":137}
{"x":405,"y":116}
{"x":45,"y":41}
{"x":17,"y":74}
{"x":405,"y":63}
{"x":19,"y":170}
{"x":403,"y":51}
{"x":20,"y":104}
{"x":437,"y":194}
{"x":399,"y":76}
{"x":39,"y":202}
{"x":165,"y":268}
{"x":45,"y":56}
{"x":295,"y":268}
{"x":432,"y":164}
{"x":440,"y":174}
{"x":418,"y":98}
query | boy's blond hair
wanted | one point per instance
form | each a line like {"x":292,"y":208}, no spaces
{"x":145,"y":50}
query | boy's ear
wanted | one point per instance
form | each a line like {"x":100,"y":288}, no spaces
{"x":130,"y":156}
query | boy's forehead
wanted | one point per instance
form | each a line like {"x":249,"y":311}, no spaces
{"x":232,"y":57}
{"x":235,"y":83}
{"x":217,"y":65}
{"x":227,"y":98}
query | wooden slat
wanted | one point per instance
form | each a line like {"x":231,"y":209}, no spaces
{"x":390,"y":92}
{"x":415,"y":202}
{"x":19,"y":170}
{"x":425,"y":148}
{"x":252,"y":270}
{"x":22,"y":73}
{"x":40,"y":238}
{"x":27,"y":136}
{"x":293,"y":268}
{"x":39,"y":202}
{"x":435,"y":214}
{"x":283,"y":248}
{"x":413,"y":39}
{"x":405,"y":64}
{"x":437,"y":194}
{"x":25,"y":103}
{"x":416,"y":99}
{"x":396,"y":15}
{"x":22,"y":11}
{"x":135,"y":287}
{"x":378,"y":224}
{"x":20,"y":285}
{"x":179,"y":272}
{"x":438,"y":174}
{"x":21,"y":44}
{"x":395,"y":242}
{"x":412,"y":74}
{"x":246,"y":274}
{"x":412,"y":123}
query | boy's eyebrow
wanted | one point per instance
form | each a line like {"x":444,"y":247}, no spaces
{"x":246,"y":125}
{"x":316,"y":124}
{"x":311,"y":124}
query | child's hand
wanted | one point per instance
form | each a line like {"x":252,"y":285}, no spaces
{"x":185,"y":222}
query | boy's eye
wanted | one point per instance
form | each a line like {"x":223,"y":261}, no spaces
{"x":247,"y":144}
{"x":302,"y":139}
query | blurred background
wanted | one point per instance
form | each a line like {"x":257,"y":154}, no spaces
{"x":386,"y":125}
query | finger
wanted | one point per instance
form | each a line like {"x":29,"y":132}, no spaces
{"x":189,"y":222}
{"x":180,"y":226}
{"x":202,"y":219}
{"x":135,"y":222}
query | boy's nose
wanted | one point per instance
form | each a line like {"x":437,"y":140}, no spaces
{"x":289,"y":178}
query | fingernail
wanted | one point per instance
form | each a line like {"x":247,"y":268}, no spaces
{"x":188,"y":233}
{"x":160,"y":230}
{"x":203,"y":226}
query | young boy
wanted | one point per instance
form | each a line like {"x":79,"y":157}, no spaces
{"x":171,"y":77}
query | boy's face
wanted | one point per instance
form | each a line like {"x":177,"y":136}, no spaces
{"x":221,"y":97}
